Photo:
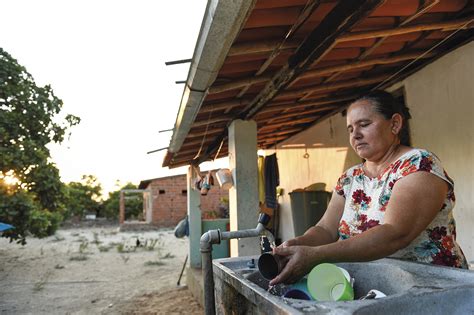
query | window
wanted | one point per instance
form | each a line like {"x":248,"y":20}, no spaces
{"x":161,"y":192}
{"x":184,"y":192}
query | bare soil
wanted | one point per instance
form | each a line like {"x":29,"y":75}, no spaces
{"x":95,"y":270}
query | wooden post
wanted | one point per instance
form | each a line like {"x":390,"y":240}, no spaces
{"x":122,"y":208}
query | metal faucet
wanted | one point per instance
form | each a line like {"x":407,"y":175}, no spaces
{"x":215,"y":237}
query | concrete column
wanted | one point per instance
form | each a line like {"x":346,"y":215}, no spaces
{"x":194,"y":216}
{"x":243,"y":196}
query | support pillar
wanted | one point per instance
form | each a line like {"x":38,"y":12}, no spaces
{"x":243,"y":196}
{"x":194,"y":217}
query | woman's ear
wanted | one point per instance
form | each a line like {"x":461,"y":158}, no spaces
{"x":397,"y":122}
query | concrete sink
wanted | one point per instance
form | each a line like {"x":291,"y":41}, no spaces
{"x":411,"y":288}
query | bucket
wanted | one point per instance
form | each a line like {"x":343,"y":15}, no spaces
{"x":224,"y":178}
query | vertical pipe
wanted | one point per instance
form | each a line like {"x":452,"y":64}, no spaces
{"x":208,"y":277}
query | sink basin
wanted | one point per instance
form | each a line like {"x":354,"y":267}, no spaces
{"x":411,"y":288}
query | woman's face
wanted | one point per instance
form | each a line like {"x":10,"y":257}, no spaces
{"x":370,"y":134}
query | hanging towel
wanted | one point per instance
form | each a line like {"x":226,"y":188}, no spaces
{"x":261,"y":180}
{"x":272,"y":180}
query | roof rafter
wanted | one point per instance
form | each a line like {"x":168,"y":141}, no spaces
{"x":339,"y":20}
{"x":267,"y":46}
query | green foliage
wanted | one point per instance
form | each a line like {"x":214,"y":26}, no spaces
{"x":43,"y":223}
{"x":16,"y":206}
{"x":133,"y":204}
{"x":28,"y":122}
{"x":83,"y":197}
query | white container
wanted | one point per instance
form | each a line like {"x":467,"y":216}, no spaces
{"x":224,"y":178}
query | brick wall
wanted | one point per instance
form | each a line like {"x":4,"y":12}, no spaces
{"x":169,"y":197}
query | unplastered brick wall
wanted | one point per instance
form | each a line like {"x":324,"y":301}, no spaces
{"x":169,"y":200}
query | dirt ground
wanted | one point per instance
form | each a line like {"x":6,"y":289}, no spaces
{"x":95,"y":271}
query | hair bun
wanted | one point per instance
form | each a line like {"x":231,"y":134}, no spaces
{"x":406,"y":112}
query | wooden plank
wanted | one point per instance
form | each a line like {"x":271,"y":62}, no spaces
{"x":341,"y":19}
{"x":301,"y":113}
{"x":278,"y":133}
{"x":236,"y":84}
{"x":315,"y":73}
{"x":353,"y":83}
{"x":310,"y":7}
{"x":294,"y":105}
{"x":223,"y":105}
{"x":211,"y":121}
{"x":197,"y":134}
{"x":268,"y":46}
{"x":445,"y":25}
{"x":287,"y":123}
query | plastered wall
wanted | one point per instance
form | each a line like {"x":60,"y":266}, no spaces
{"x":328,"y":155}
{"x":441,"y":101}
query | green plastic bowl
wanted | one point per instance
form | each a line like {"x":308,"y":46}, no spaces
{"x":326,"y":282}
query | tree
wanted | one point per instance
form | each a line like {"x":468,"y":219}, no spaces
{"x":133,"y":204}
{"x":28,"y":122}
{"x":83,"y":196}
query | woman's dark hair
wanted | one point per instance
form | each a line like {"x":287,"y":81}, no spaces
{"x":386,"y":104}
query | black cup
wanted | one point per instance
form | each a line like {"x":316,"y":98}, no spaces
{"x":270,"y":265}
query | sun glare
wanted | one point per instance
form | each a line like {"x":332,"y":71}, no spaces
{"x":9,"y":178}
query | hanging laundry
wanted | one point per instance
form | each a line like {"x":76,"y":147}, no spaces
{"x":272,"y":180}
{"x":261,"y":180}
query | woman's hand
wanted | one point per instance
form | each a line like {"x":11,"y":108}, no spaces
{"x":301,"y":260}
{"x":288,"y":243}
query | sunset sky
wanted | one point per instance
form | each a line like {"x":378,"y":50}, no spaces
{"x":106,"y":60}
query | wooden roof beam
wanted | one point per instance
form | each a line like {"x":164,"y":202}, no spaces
{"x":287,"y":123}
{"x":204,"y":122}
{"x":339,"y":20}
{"x":445,"y":26}
{"x":362,"y":64}
{"x":293,"y":104}
{"x":268,"y":46}
{"x":187,"y":144}
{"x":223,"y":105}
{"x":309,"y":8}
{"x":196,"y":134}
{"x":312,"y":73}
{"x":306,"y":112}
{"x":352,"y":83}
{"x":272,"y":139}
{"x":237,"y":84}
{"x":281,"y":132}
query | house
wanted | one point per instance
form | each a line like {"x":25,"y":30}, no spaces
{"x":165,"y":200}
{"x":277,"y":76}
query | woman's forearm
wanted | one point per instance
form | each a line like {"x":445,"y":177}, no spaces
{"x":314,"y":236}
{"x":376,"y":243}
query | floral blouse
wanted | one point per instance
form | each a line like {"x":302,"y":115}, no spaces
{"x":367,"y":198}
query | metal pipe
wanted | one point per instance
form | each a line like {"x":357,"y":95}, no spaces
{"x":243,"y":233}
{"x":176,"y":62}
{"x":215,"y":237}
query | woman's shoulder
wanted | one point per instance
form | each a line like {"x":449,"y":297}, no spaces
{"x":418,"y":159}
{"x":416,"y":155}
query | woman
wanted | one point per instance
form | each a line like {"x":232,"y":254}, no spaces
{"x":397,"y":203}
